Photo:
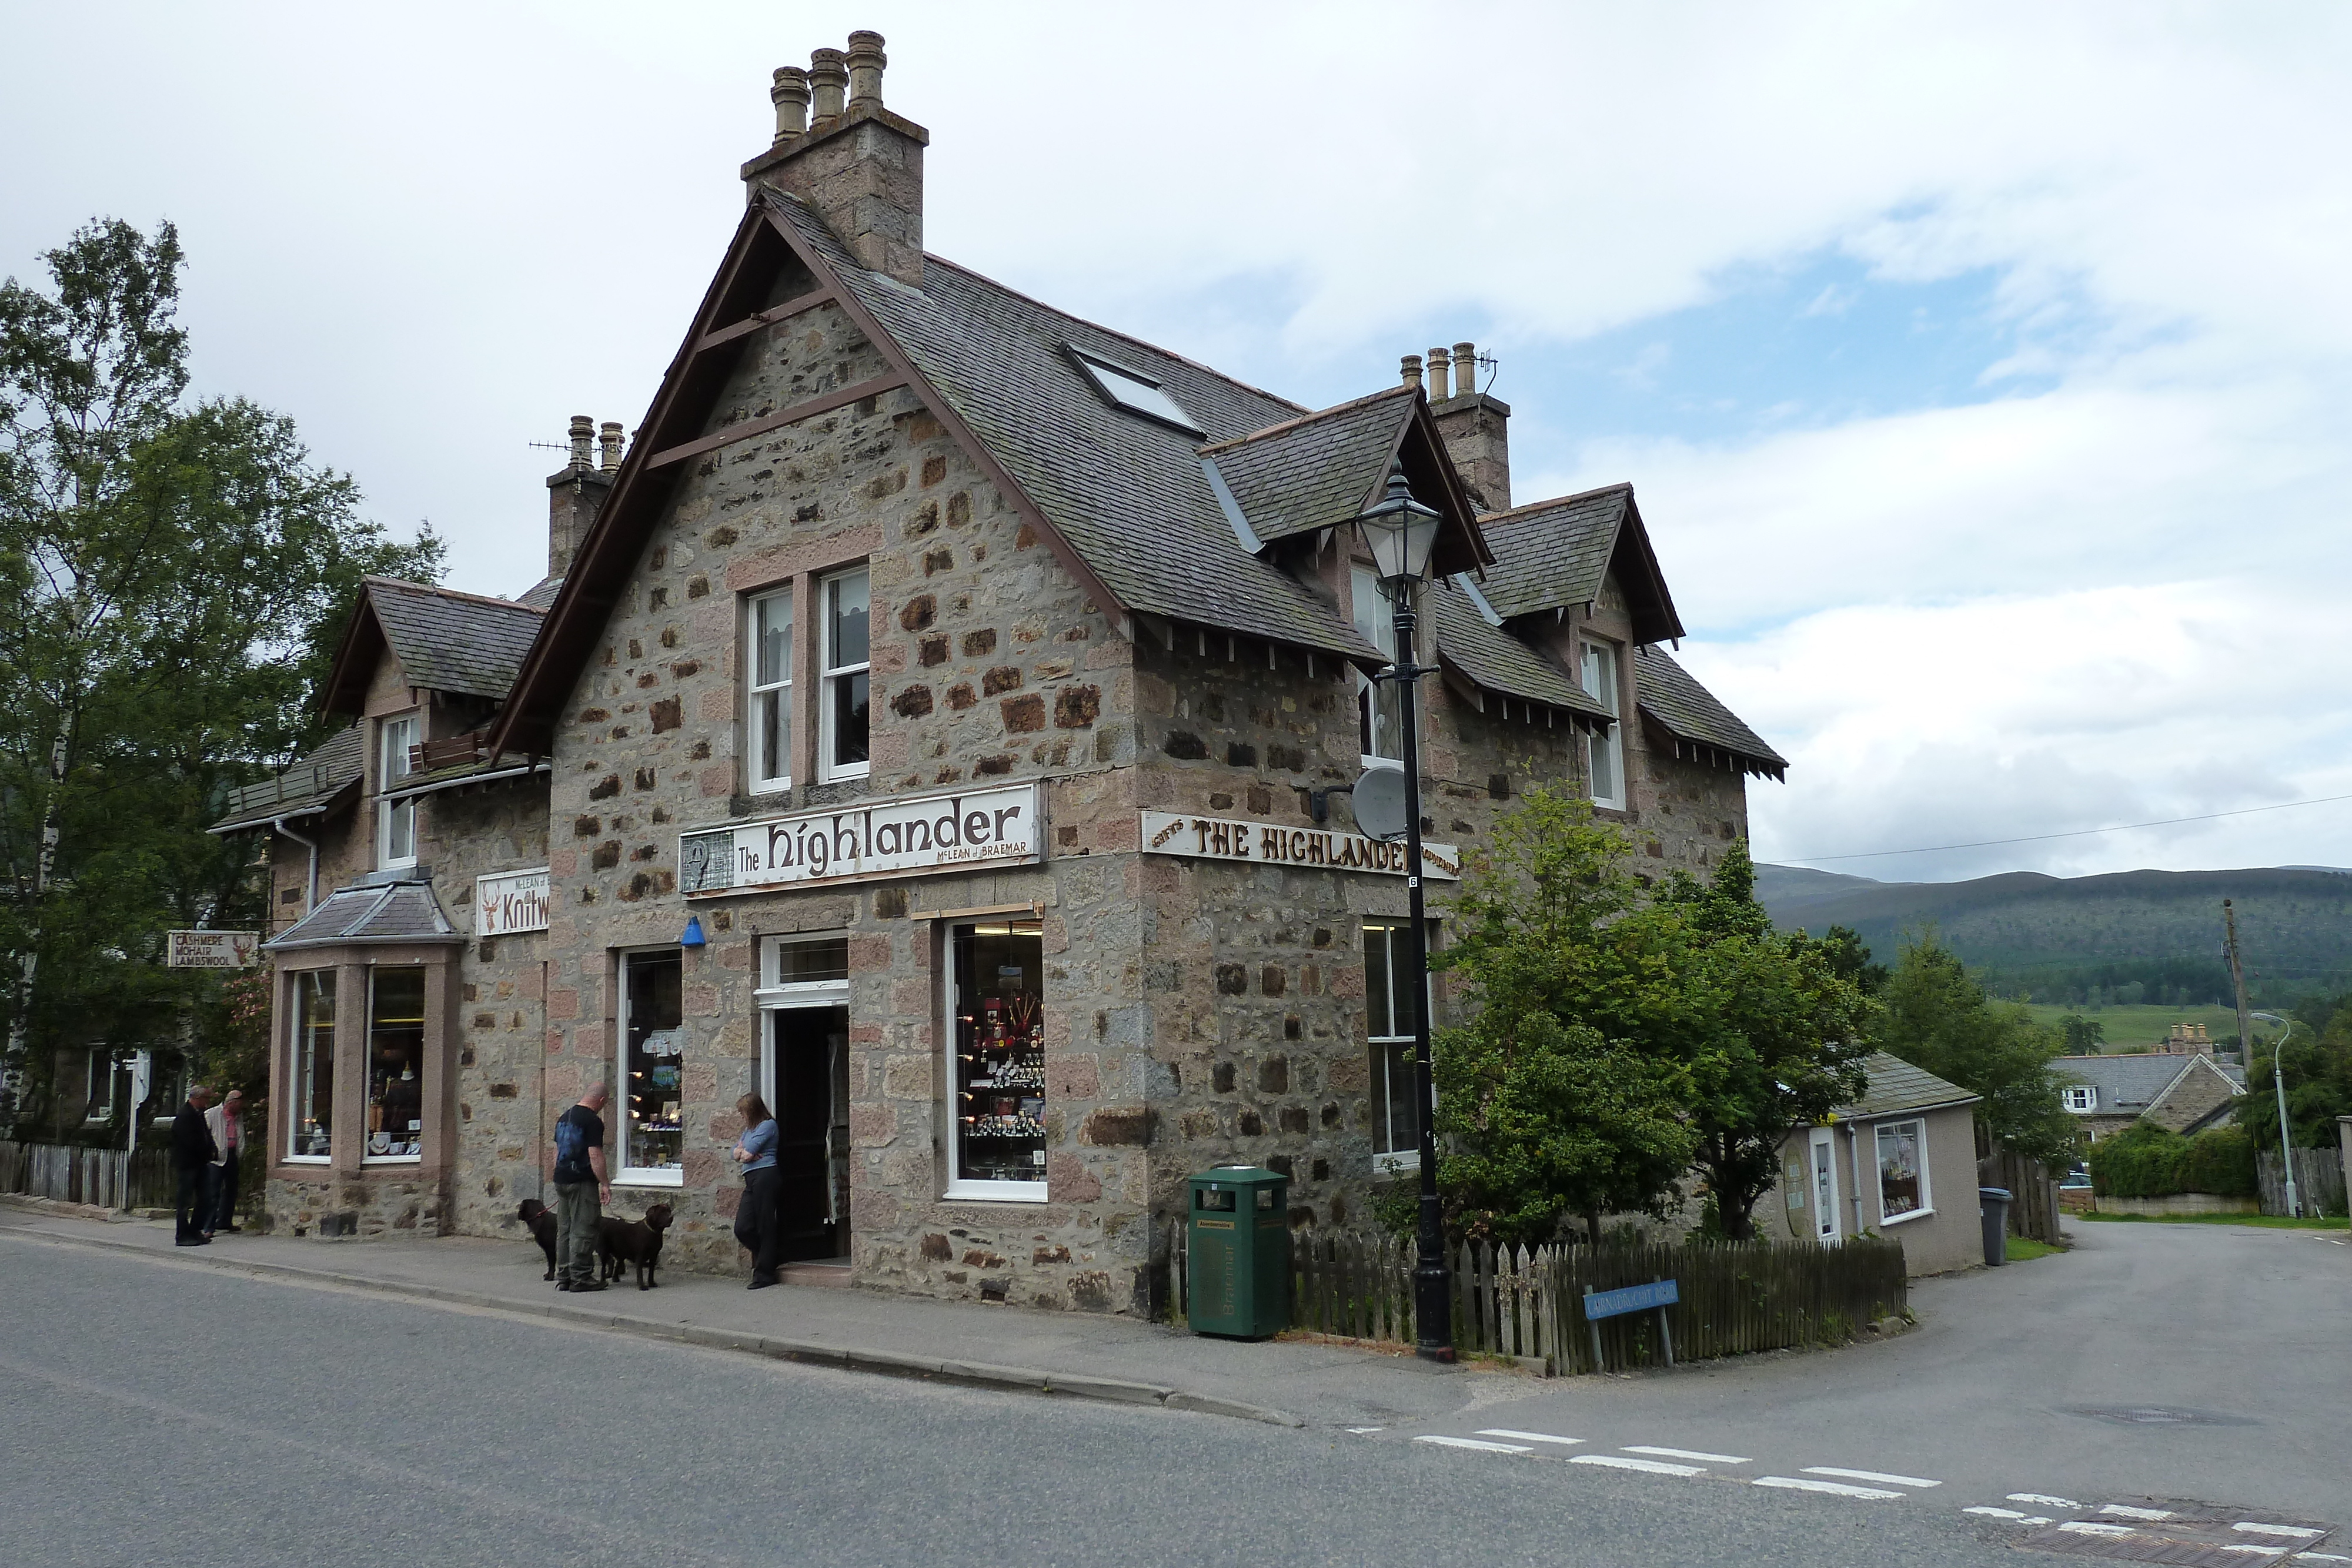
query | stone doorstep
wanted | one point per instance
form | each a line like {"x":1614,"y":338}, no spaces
{"x":891,"y":1364}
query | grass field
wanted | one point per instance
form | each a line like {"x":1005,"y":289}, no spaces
{"x":2145,"y":1026}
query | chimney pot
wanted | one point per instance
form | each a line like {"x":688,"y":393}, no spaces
{"x":791,"y":96}
{"x":1437,"y":387}
{"x":865,"y":62}
{"x":828,"y":76}
{"x":1465,"y":368}
{"x":1411,"y":370}
{"x":609,"y":438}
{"x":584,"y":431}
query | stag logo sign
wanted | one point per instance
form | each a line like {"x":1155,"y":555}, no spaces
{"x":211,"y":949}
{"x":510,"y":903}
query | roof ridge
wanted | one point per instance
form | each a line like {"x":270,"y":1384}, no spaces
{"x":1309,"y":417}
{"x":403,"y":583}
{"x":1113,"y":332}
{"x":1485,"y":517}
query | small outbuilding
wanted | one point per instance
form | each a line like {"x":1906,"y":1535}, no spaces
{"x":1900,"y":1161}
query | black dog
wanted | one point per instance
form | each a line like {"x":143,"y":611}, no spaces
{"x":628,"y":1241}
{"x":540,"y":1219}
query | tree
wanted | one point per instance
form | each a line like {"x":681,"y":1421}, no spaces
{"x":2083,"y":1036}
{"x":176,"y":573}
{"x":1938,"y":1017}
{"x":2318,"y":1062}
{"x":1542,"y":1118}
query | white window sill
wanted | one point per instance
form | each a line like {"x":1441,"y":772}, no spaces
{"x":997,"y":1191}
{"x":392,"y":1159}
{"x":1907,"y":1217}
{"x":309,"y":1159}
{"x":671,"y":1176}
{"x":1395,"y":764}
{"x":844,"y":775}
{"x":770,"y":787}
{"x":1402,"y":1160}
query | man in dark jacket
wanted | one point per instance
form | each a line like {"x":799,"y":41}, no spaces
{"x":192,"y":1156}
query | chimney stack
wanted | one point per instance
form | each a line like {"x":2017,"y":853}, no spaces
{"x":1409,"y":368}
{"x":576,"y":491}
{"x":1474,"y":426}
{"x":851,"y":161}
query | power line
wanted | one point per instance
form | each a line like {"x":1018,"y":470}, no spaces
{"x":2076,"y":833}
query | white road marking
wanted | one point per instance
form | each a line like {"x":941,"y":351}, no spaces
{"x":1835,"y":1489}
{"x":2124,"y":1511}
{"x":2291,"y":1531}
{"x":2081,"y":1527}
{"x":1653,"y":1467}
{"x":1685,"y":1454}
{"x":1366,"y":1431}
{"x":1475,"y":1443}
{"x":2044,"y":1499}
{"x":1878,"y":1476}
{"x":1995,"y":1512}
{"x":1526,"y":1437}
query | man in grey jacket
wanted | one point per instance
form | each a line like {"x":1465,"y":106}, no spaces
{"x":228,"y":1140}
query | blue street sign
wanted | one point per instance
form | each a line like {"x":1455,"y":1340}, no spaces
{"x":1601,"y":1304}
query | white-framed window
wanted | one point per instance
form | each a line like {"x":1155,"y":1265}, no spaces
{"x":310,"y":1114}
{"x":1821,"y":1155}
{"x":649,"y":1095}
{"x":769,"y":713}
{"x":842,"y":726}
{"x":1380,"y":714}
{"x":1605,"y":754}
{"x":98,"y":1099}
{"x":395,"y":831}
{"x":995,"y":1037}
{"x":803,"y":1001}
{"x":2079,"y":1098}
{"x":395,"y":1067}
{"x":1903,"y":1171}
{"x":1389,"y":1038}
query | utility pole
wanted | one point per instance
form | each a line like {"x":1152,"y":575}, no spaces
{"x":2238,"y":978}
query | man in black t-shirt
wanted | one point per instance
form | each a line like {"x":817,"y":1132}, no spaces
{"x":581,"y":1189}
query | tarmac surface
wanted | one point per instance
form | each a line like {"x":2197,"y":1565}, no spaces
{"x":213,"y":1404}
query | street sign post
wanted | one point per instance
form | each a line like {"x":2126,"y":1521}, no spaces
{"x":1658,"y":1295}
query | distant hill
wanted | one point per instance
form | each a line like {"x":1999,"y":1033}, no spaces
{"x":2151,"y":936}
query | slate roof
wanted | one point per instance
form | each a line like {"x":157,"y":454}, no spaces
{"x":541,"y":594}
{"x":1486,"y":656}
{"x":1896,"y":1086}
{"x":307,"y":788}
{"x":1129,"y":494}
{"x":1316,"y":471}
{"x":1552,"y":553}
{"x":2127,"y":1085}
{"x":453,"y":642}
{"x":385,"y":906}
{"x":1671,"y":698}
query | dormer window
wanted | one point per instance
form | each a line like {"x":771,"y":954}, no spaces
{"x":1135,"y":392}
{"x":2080,"y":1099}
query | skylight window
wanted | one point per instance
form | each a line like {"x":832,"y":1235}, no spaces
{"x":1136,"y":393}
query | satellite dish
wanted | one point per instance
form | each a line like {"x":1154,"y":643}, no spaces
{"x":1380,"y":803}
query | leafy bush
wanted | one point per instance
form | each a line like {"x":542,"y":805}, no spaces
{"x":2146,"y":1161}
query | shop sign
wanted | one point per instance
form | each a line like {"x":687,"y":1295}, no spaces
{"x":510,"y":903}
{"x":889,"y":838}
{"x":1273,"y":843}
{"x":211,"y":949}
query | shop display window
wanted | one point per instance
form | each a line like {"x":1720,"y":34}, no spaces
{"x":997,"y":1028}
{"x":395,"y":1082}
{"x":653,"y":1044}
{"x":310,"y":1113}
{"x":1902,"y":1170}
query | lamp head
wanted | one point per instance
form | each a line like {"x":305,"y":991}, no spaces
{"x":692,"y":937}
{"x":1400,"y":532}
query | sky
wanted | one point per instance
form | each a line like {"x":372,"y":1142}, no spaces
{"x":1981,"y":370}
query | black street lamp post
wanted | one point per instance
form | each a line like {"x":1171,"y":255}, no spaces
{"x":1400,"y":533}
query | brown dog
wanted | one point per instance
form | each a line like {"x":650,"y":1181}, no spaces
{"x":637,"y":1241}
{"x":541,"y":1222}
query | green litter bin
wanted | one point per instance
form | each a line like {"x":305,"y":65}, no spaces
{"x":1237,"y":1241}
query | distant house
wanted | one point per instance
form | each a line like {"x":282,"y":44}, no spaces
{"x":1900,"y":1161}
{"x":2180,"y":1094}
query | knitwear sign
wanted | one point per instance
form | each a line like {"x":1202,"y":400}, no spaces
{"x":1274,"y":843}
{"x":884,"y":838}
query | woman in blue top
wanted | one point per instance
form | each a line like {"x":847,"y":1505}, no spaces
{"x":755,"y":1215}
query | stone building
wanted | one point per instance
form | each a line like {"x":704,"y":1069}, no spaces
{"x":2181,"y":1093}
{"x":945,"y":728}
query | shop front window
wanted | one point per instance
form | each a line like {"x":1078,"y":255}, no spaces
{"x":311,"y":1113}
{"x":652,"y":1043}
{"x":997,"y":1031}
{"x":1390,"y":1023}
{"x":395,"y":1082}
{"x":1902,"y":1170}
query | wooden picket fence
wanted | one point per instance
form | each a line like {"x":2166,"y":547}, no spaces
{"x":2319,"y":1181}
{"x":2032,"y":1193}
{"x":1737,"y":1296}
{"x":108,"y":1178}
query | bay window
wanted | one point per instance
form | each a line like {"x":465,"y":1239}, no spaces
{"x":771,"y":691}
{"x":395,"y":1066}
{"x":310,"y":1111}
{"x":841,"y":711}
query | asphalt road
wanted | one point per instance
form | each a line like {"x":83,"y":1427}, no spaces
{"x":156,"y":1413}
